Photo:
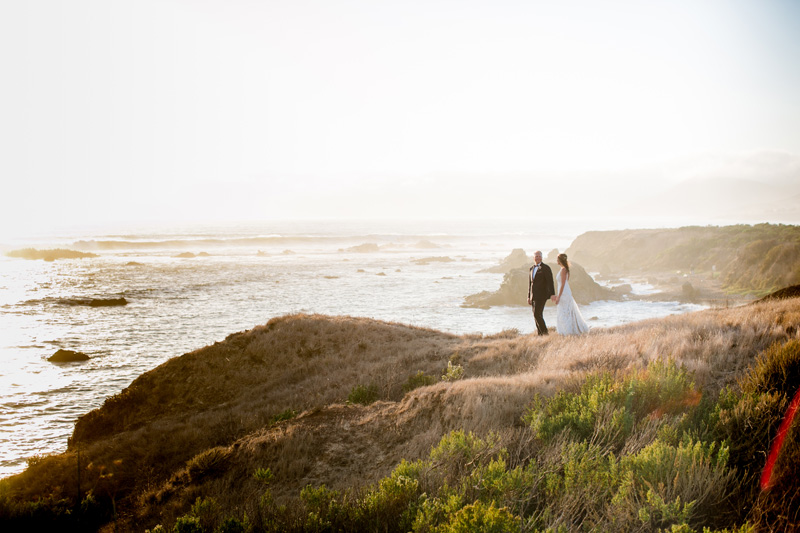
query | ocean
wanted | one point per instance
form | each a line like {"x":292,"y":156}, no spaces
{"x":188,"y":286}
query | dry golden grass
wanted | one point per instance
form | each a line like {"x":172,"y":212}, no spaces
{"x":200,"y":424}
{"x":717,"y":344}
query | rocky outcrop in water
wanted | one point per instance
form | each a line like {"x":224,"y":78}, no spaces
{"x":516,"y":259}
{"x":366,"y":248}
{"x":96,"y":302}
{"x":67,"y":356}
{"x":514,"y":289}
{"x":429,"y":260}
{"x":426,"y":245}
{"x":49,"y":255}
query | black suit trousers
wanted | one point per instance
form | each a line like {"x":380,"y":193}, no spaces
{"x":538,"y":309}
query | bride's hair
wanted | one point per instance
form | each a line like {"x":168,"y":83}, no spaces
{"x":562,"y":260}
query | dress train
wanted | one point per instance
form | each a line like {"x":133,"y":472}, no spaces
{"x":569,"y":320}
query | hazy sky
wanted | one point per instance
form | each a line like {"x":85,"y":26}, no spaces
{"x":161,"y":109}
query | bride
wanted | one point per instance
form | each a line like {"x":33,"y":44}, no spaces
{"x":569,"y":320}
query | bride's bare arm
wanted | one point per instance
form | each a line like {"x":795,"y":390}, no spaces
{"x":561,"y":285}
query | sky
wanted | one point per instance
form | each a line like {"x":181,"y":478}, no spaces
{"x":171,"y":110}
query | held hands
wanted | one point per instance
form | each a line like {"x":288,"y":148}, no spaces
{"x":555,"y":299}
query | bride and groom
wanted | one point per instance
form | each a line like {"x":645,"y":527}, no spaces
{"x":569,"y":320}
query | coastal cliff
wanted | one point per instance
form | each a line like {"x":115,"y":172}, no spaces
{"x":712,"y":265}
{"x":754,"y":259}
{"x":311,"y":420}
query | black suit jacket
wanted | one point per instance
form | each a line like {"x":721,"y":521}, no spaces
{"x":542,"y":286}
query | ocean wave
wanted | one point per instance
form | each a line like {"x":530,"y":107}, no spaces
{"x":189,"y":242}
{"x":136,"y":243}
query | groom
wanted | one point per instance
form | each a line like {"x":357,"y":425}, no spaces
{"x":540,"y":289}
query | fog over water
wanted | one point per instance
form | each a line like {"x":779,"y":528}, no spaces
{"x":221,"y":110}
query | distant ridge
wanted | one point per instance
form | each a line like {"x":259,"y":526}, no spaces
{"x":757,"y":259}
{"x":759,"y":186}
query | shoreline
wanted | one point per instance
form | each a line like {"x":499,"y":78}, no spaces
{"x":672,"y":286}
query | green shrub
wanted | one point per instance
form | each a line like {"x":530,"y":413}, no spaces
{"x":432,"y":512}
{"x":391,"y":506}
{"x":204,"y":516}
{"x":50,"y":513}
{"x":478,"y":518}
{"x":665,"y":485}
{"x":577,"y":413}
{"x":579,"y":486}
{"x":188,"y":524}
{"x":454,"y":372}
{"x":493,"y":481}
{"x":658,"y":512}
{"x":207,"y":512}
{"x":747,"y":418}
{"x":462,"y":446}
{"x":263,"y":475}
{"x":363,"y":395}
{"x":753,"y":422}
{"x":607,"y":410}
{"x":288,"y":414}
{"x":322,"y":510}
{"x":420,"y":379}
{"x":233,"y":525}
{"x":777,"y":369}
{"x":318,"y":499}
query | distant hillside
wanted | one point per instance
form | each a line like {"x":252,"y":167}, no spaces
{"x":719,"y":197}
{"x":758,"y":259}
{"x":317,"y":423}
{"x":757,"y":186}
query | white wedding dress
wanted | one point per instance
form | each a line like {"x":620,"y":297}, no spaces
{"x":569,"y":320}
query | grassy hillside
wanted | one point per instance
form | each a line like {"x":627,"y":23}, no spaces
{"x":317,"y":423}
{"x":755,"y":259}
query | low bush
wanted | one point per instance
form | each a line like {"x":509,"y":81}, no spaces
{"x":454,"y":372}
{"x":607,"y":410}
{"x":288,"y":414}
{"x":480,"y":518}
{"x":211,"y":462}
{"x":420,"y":379}
{"x":363,"y":394}
{"x":749,"y":419}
